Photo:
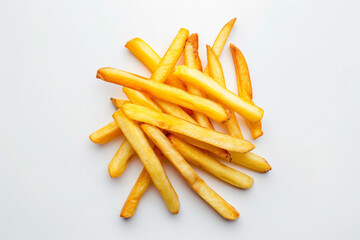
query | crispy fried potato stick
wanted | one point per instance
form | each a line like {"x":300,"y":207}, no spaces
{"x":251,"y":160}
{"x":171,"y":57}
{"x":121,"y":159}
{"x":244,"y":87}
{"x":174,"y":110}
{"x":192,"y":60}
{"x":165,"y":92}
{"x":106,"y":133}
{"x":151,"y":162}
{"x":216,"y":72}
{"x":142,"y":183}
{"x":140,"y":98}
{"x":150,"y":59}
{"x":213,"y":88}
{"x":221,"y":39}
{"x":211,"y":165}
{"x":174,"y":124}
{"x":195,"y":182}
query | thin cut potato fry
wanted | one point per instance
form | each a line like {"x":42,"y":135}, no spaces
{"x":213,"y":88}
{"x":171,"y":57}
{"x":121,"y":159}
{"x":219,"y":152}
{"x":211,"y":165}
{"x":174,"y":124}
{"x":216,"y":72}
{"x":221,"y":39}
{"x":244,"y":87}
{"x":106,"y":133}
{"x":150,"y":59}
{"x":165,"y":92}
{"x":251,"y":160}
{"x":195,"y":182}
{"x":173,"y":110}
{"x":142,"y":183}
{"x":192,"y":60}
{"x":151,"y":162}
{"x":140,"y":98}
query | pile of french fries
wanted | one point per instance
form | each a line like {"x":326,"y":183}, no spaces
{"x":167,"y":116}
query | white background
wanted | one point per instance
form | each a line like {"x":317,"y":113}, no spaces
{"x":304,"y":61}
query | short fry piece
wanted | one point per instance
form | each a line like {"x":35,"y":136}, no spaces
{"x":165,"y":92}
{"x":213,"y":88}
{"x":211,"y":165}
{"x":173,"y":110}
{"x":106,"y":133}
{"x":195,"y":182}
{"x":170,"y":123}
{"x":151,"y":162}
{"x":244,"y":87}
{"x":251,"y":161}
{"x":121,"y":159}
{"x":140,"y":98}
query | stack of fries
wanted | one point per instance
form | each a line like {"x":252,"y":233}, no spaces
{"x":168,"y":116}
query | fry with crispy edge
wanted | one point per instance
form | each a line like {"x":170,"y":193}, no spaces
{"x":199,"y":158}
{"x":213,"y":88}
{"x":216,"y":72}
{"x":192,"y":60}
{"x":106,"y":133}
{"x":174,"y":124}
{"x":142,"y":183}
{"x":195,"y":182}
{"x":151,"y":162}
{"x":165,"y":92}
{"x":244,"y":87}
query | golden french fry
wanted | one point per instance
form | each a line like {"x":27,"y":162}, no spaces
{"x":165,"y":92}
{"x":151,"y":162}
{"x":251,"y":161}
{"x":106,"y":133}
{"x":195,"y":182}
{"x":121,"y":159}
{"x":192,"y":60}
{"x":174,"y":124}
{"x":213,"y":88}
{"x":211,"y":165}
{"x":244,"y":87}
{"x":140,"y":98}
{"x":171,"y":57}
{"x":216,"y":72}
{"x":221,"y":39}
{"x":174,"y":110}
{"x":219,"y":152}
{"x":150,"y":59}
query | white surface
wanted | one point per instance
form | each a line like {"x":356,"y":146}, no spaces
{"x":304,"y":63}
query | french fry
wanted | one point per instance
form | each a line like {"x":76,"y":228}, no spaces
{"x":244,"y":87}
{"x":194,"y":181}
{"x":251,"y":160}
{"x":211,"y":165}
{"x":121,"y":159}
{"x":165,"y":92}
{"x":140,"y":98}
{"x":150,"y":59}
{"x":174,"y":110}
{"x":174,"y":124}
{"x":142,"y":183}
{"x":151,"y":162}
{"x":213,"y":88}
{"x":219,"y":152}
{"x":221,"y":39}
{"x":171,"y":57}
{"x":192,"y":60}
{"x":106,"y":133}
{"x":216,"y":72}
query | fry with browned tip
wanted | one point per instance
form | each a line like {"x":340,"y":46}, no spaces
{"x":106,"y":133}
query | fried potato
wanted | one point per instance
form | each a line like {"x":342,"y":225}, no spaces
{"x":192,"y":60}
{"x":195,"y":182}
{"x":165,"y":92}
{"x":216,"y":72}
{"x":106,"y":133}
{"x":174,"y":110}
{"x":121,"y":159}
{"x":211,"y":165}
{"x":151,"y":162}
{"x":251,"y":160}
{"x":140,"y":98}
{"x":150,"y":59}
{"x":244,"y":87}
{"x":174,"y":124}
{"x":216,"y":90}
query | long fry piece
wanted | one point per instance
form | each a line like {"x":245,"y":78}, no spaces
{"x":195,"y":182}
{"x":213,"y":88}
{"x":167,"y":122}
{"x":165,"y":92}
{"x":244,"y":87}
{"x":151,"y":162}
{"x":192,"y":60}
{"x":211,"y":165}
{"x":106,"y":133}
